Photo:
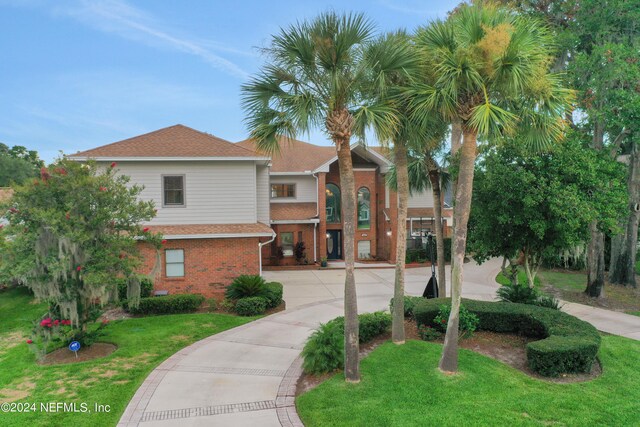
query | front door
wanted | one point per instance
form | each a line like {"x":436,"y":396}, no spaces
{"x":334,"y":244}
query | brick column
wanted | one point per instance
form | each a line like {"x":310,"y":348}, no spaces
{"x":322,"y":227}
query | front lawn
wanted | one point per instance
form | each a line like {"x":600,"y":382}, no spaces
{"x":143,"y":343}
{"x":402,"y":386}
{"x":522,"y":279}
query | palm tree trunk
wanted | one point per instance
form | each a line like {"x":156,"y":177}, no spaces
{"x":402,"y":174}
{"x":456,"y":143}
{"x":351,"y":339}
{"x":434,"y":177}
{"x":462,"y":208}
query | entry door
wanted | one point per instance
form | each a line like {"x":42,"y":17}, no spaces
{"x":334,"y":244}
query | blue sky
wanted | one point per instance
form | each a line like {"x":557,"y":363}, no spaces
{"x":77,"y":74}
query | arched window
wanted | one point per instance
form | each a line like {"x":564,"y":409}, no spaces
{"x":333,"y":204}
{"x":364,"y":209}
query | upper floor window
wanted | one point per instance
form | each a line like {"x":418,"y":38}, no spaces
{"x":333,"y":203}
{"x":173,"y":190}
{"x":364,"y":209}
{"x":283,"y":190}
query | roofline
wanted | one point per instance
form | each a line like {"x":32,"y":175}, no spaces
{"x":295,"y":221}
{"x":325,"y":166}
{"x":164,"y":159}
{"x":215,"y":236}
{"x":291,"y":173}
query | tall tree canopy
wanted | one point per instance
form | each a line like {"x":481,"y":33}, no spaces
{"x":17,"y":164}
{"x":542,"y":204}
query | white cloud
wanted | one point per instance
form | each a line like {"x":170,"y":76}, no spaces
{"x":124,"y":20}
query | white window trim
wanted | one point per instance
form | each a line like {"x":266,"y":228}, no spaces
{"x":166,"y":263}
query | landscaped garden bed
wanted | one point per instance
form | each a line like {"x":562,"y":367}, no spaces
{"x":142,"y":344}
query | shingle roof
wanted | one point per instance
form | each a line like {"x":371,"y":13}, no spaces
{"x":173,"y":141}
{"x":295,"y":156}
{"x":211,"y":229}
{"x":293,"y":211}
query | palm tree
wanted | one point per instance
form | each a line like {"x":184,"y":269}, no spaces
{"x":425,"y":172}
{"x":388,"y":89}
{"x":492,"y":75}
{"x":316,"y":77}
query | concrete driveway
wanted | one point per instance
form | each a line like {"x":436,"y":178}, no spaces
{"x":308,"y":286}
{"x":247,"y":376}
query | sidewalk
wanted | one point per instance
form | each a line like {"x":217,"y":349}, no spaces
{"x":247,"y":376}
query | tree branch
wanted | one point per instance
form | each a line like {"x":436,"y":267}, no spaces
{"x":618,"y":141}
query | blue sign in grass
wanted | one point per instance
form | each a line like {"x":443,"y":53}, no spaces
{"x":74,"y":346}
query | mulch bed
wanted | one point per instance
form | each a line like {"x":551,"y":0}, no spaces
{"x":63,"y":355}
{"x":507,"y":348}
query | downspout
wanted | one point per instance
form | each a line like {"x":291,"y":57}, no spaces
{"x":260,"y":245}
{"x":315,"y":226}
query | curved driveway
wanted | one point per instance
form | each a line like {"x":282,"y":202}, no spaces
{"x":247,"y":376}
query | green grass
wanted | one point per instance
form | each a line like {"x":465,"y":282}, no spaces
{"x":635,"y":313}
{"x":565,"y":280}
{"x":402,"y":386}
{"x":143,"y":343}
{"x":522,"y":279}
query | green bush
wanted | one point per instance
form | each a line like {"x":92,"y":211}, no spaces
{"x":169,"y":304}
{"x":467,"y":324}
{"x":213,"y":304}
{"x":274,"y":294}
{"x":567,"y":344}
{"x":409,"y":303}
{"x":246,"y":286}
{"x":427,"y":333}
{"x":324,"y":350}
{"x":146,"y":288}
{"x":523,"y":294}
{"x":251,"y":306}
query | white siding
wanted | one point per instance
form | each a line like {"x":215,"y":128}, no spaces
{"x":263,"y":193}
{"x":305,"y":188}
{"x":421,"y":200}
{"x":216,"y":192}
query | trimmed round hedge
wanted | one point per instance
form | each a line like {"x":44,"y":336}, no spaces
{"x":567,"y":344}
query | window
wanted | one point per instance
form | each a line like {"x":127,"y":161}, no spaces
{"x":333,"y":203}
{"x":364,"y":249}
{"x":286,"y":241}
{"x":364,"y":209}
{"x":283,"y":190}
{"x":173,"y":190}
{"x":174,"y":262}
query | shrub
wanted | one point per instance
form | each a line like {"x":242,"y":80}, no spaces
{"x":523,"y":294}
{"x":274,"y":294}
{"x":427,"y":333}
{"x":169,"y":304}
{"x":567,"y":344}
{"x":251,"y":306}
{"x":246,"y":286}
{"x":324,"y":350}
{"x":467,"y":324}
{"x":409,"y":304}
{"x":213,"y":304}
{"x":228,"y":305}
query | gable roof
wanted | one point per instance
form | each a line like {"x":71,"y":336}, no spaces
{"x":169,"y":143}
{"x":302,"y":157}
{"x":294,"y":155}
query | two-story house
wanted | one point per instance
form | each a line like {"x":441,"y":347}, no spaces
{"x":226,"y":209}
